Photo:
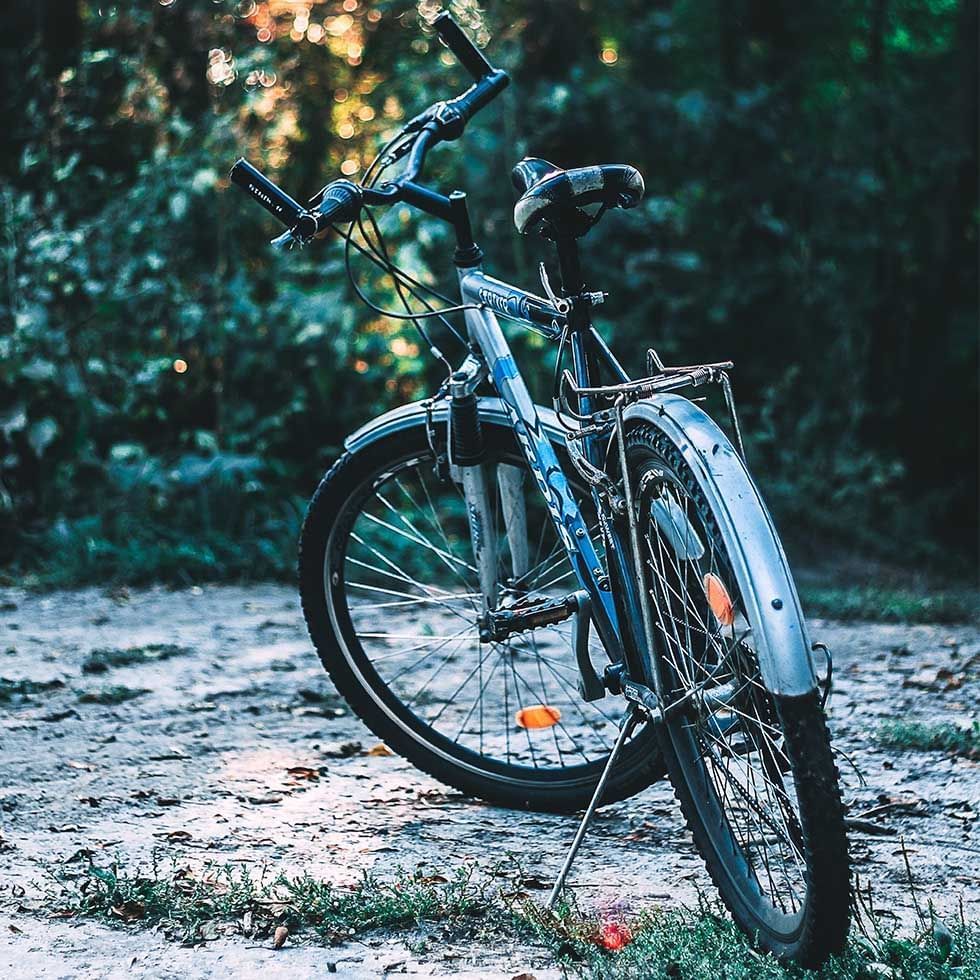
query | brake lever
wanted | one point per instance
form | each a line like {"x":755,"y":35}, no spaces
{"x":285,"y":241}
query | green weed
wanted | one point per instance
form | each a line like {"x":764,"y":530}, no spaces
{"x":942,"y":737}
{"x":886,"y":605}
{"x":699,"y":944}
{"x":104,"y":659}
{"x":24,"y":690}
{"x":112,"y":694}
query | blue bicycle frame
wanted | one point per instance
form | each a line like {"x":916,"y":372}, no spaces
{"x":482,"y":295}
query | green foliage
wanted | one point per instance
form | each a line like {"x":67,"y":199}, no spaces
{"x":103,"y":659}
{"x":924,"y":737}
{"x":24,"y":690}
{"x":187,"y":906}
{"x":698,"y":944}
{"x":811,"y":212}
{"x":112,"y":694}
{"x":880,"y":604}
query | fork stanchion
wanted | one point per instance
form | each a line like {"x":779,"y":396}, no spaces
{"x":629,"y":723}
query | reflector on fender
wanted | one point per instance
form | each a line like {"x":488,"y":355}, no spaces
{"x":719,"y":599}
{"x":537,"y":716}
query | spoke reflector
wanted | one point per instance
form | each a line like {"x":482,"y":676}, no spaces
{"x":719,"y":599}
{"x":538,"y":716}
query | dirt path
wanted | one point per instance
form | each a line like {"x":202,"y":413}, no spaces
{"x":197,"y":768}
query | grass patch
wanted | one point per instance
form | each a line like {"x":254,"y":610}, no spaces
{"x":886,"y":605}
{"x":112,"y":694}
{"x":195,"y":906}
{"x":704,"y":945}
{"x":701,"y":944}
{"x":24,"y":690}
{"x":102,"y":660}
{"x":944,"y":737}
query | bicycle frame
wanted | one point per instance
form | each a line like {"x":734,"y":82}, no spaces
{"x":483,"y":295}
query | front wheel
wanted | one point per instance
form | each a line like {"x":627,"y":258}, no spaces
{"x":753,"y":770}
{"x":392,"y":601}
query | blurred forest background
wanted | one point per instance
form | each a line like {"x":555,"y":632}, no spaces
{"x":171,"y":389}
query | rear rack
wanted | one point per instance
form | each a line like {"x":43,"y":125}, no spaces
{"x":661,"y":378}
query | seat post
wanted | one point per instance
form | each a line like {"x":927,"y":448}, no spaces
{"x":571,"y":269}
{"x":584,"y":361}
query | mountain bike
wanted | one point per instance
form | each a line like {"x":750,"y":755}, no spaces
{"x":550,"y":608}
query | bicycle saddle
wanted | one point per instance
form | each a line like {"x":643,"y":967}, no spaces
{"x":553,"y":200}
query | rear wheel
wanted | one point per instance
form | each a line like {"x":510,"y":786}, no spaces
{"x":753,"y":772}
{"x":391,"y":598}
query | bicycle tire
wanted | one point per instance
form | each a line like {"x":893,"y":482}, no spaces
{"x":793,"y":727}
{"x":328,"y":520}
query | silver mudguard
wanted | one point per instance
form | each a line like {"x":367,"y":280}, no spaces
{"x":406,"y":416}
{"x":772,"y":606}
{"x":669,"y":517}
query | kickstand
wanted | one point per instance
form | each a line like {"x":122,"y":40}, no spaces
{"x":628,"y":724}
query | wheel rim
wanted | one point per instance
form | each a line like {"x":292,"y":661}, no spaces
{"x":404,"y":600}
{"x":725,"y":729}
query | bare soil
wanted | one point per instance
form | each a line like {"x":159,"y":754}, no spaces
{"x":197,"y":769}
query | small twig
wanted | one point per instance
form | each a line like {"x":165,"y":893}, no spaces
{"x":915,"y":897}
{"x":867,"y":827}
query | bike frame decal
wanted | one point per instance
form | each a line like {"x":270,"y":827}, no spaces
{"x":486,"y":333}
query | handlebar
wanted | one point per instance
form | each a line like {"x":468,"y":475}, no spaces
{"x":341,"y":200}
{"x":467,"y":53}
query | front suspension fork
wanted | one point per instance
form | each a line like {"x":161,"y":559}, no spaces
{"x":467,"y":467}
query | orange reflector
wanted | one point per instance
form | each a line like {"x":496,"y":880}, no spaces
{"x":537,"y":716}
{"x":719,"y":599}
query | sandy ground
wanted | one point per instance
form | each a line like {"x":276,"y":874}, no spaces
{"x":196,"y":769}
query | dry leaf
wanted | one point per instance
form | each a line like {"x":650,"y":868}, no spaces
{"x":303,"y":772}
{"x":280,"y":937}
{"x":129,"y":911}
{"x":168,"y":801}
{"x":379,"y":749}
{"x":266,"y":798}
{"x":343,"y":751}
{"x":175,"y":836}
{"x":524,"y":976}
{"x":15,"y":930}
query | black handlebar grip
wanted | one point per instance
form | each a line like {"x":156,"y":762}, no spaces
{"x":467,"y":53}
{"x":478,"y":95}
{"x":275,"y":200}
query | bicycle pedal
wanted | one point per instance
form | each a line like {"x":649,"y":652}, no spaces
{"x":526,"y":614}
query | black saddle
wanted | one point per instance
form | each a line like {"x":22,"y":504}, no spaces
{"x":553,"y":200}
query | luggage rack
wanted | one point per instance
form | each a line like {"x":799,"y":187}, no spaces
{"x":660,"y":378}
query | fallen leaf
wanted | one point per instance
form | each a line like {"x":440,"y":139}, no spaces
{"x":303,"y":772}
{"x":379,"y":749}
{"x":266,"y":798}
{"x":433,"y":880}
{"x":60,"y":715}
{"x":281,"y":934}
{"x":175,"y":836}
{"x":15,"y":930}
{"x":167,"y":801}
{"x":129,"y":911}
{"x":343,"y":751}
{"x":532,"y":881}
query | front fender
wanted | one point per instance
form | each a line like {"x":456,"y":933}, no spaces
{"x":772,"y":606}
{"x":412,"y":414}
